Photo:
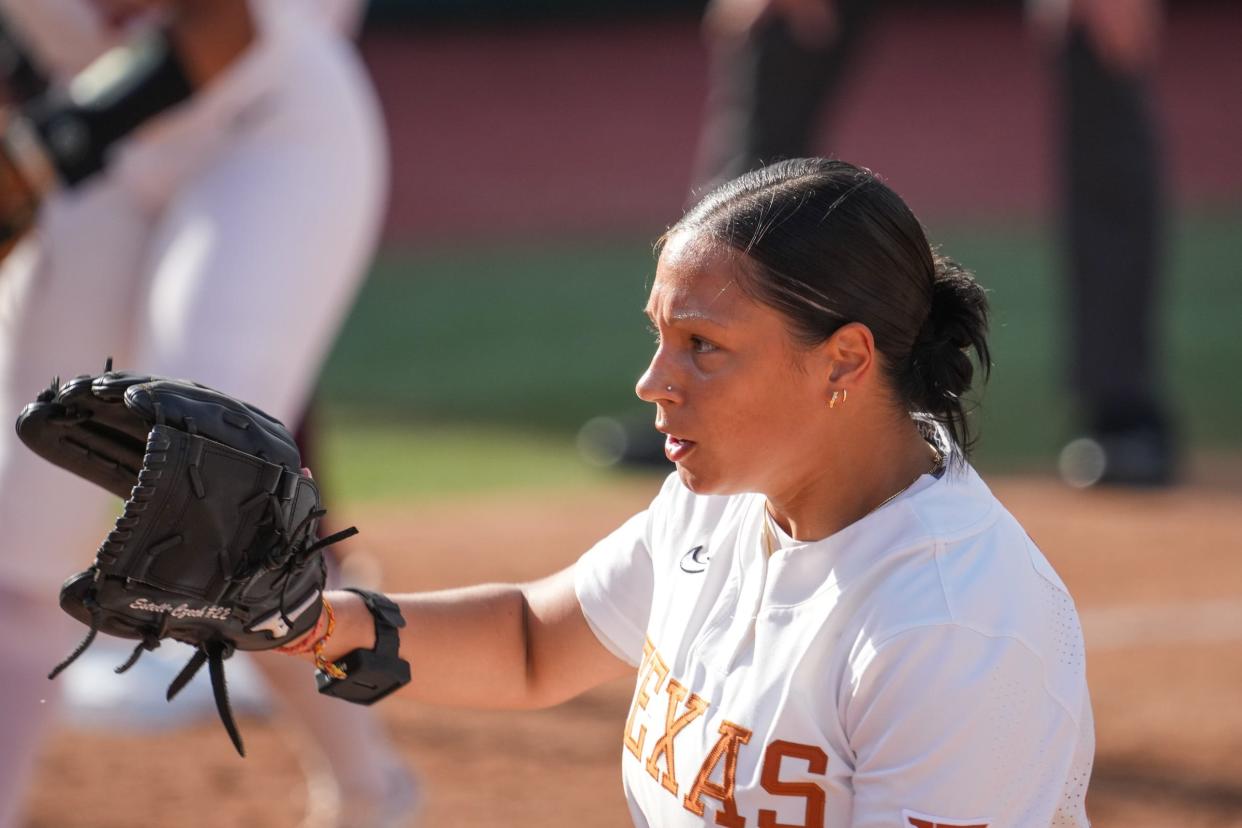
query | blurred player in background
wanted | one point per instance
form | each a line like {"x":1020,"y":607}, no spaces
{"x":777,"y":62}
{"x":263,"y":189}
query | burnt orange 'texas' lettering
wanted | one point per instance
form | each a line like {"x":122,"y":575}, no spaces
{"x":695,"y":706}
{"x":654,"y":665}
{"x":817,"y":763}
{"x":732,"y":737}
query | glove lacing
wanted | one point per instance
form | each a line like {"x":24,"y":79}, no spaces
{"x":86,"y":642}
{"x":285,"y":556}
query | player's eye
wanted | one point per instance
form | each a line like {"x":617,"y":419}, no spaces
{"x":701,"y":346}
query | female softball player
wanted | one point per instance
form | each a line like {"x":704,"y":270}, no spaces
{"x":831,"y":620}
{"x":224,"y":241}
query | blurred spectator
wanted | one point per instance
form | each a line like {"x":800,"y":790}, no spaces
{"x":776,"y":63}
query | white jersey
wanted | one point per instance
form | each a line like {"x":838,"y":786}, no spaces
{"x":922,"y":667}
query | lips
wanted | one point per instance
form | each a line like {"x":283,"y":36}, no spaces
{"x":676,"y":449}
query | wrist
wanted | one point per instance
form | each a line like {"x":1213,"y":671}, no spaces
{"x":354,"y":626}
{"x":365,"y":665}
{"x":344,"y":625}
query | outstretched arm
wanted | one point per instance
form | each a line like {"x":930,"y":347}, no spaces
{"x":509,"y":646}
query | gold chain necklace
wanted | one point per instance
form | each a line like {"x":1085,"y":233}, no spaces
{"x":877,"y":507}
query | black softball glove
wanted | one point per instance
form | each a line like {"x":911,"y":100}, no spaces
{"x":216,"y":546}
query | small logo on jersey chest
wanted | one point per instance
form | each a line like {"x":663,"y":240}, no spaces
{"x":695,"y":560}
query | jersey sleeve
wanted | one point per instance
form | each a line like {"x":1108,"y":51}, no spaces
{"x":614,"y":583}
{"x":953,"y":727}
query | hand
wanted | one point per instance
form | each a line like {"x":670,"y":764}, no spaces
{"x":18,"y":200}
{"x":813,"y":23}
{"x":1126,"y":33}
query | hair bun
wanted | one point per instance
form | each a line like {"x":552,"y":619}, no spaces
{"x":956,"y":324}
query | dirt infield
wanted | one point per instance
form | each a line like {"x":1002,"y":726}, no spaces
{"x":1158,"y":578}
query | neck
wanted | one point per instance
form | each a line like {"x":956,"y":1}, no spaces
{"x":869,"y":471}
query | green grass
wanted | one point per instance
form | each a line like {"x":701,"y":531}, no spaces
{"x":477,"y":366}
{"x":1206,"y":330}
{"x":374,"y":460}
{"x":1026,"y":414}
{"x":539,"y":339}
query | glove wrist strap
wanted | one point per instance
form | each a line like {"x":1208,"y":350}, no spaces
{"x":370,"y":675}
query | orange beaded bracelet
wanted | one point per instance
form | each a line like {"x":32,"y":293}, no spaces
{"x":321,"y":662}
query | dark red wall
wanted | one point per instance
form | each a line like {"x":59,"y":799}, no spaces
{"x":552,"y":130}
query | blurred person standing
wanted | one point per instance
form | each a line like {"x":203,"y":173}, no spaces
{"x":776,"y":63}
{"x":264,"y":189}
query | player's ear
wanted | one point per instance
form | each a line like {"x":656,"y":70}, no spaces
{"x":849,"y":355}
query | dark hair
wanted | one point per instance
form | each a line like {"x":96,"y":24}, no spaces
{"x":828,"y":243}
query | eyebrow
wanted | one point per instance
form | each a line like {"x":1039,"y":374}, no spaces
{"x":694,"y":315}
{"x":697,"y":315}
{"x":689,"y":316}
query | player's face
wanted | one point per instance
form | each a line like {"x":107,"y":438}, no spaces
{"x":737,"y":398}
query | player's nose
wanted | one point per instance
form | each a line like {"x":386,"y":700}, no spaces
{"x":656,"y":384}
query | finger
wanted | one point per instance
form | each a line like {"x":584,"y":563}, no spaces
{"x":1125,"y":33}
{"x":813,"y":23}
{"x":733,"y":19}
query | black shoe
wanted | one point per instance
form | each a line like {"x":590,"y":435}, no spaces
{"x":1134,"y":450}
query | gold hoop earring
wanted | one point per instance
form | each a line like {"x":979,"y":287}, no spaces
{"x":842,"y":395}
